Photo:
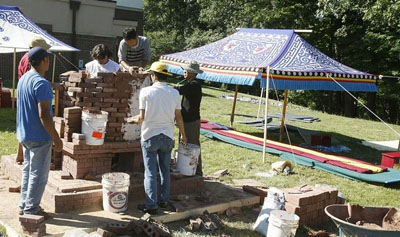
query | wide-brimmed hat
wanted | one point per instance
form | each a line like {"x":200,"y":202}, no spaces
{"x":38,"y":41}
{"x":160,"y":68}
{"x":192,"y":67}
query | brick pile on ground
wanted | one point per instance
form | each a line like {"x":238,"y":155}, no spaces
{"x":309,"y":202}
{"x":33,"y":225}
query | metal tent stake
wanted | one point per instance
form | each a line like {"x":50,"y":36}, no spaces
{"x":266,"y":115}
{"x":283,"y":115}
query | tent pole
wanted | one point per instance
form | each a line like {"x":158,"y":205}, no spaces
{"x":14,"y":79}
{"x":283,"y":114}
{"x":259,"y":103}
{"x":54,"y":68}
{"x":234,"y":104}
{"x":266,"y":115}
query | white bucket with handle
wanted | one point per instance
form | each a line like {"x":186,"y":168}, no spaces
{"x":282,"y":224}
{"x":94,"y":127}
{"x":115,"y":191}
{"x":187,"y":159}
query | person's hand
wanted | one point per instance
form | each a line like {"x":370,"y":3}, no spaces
{"x":132,"y":69}
{"x":132,"y":120}
{"x":141,"y":69}
{"x":183,"y":140}
{"x":58,"y":145}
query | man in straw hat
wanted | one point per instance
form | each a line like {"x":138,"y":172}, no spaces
{"x":159,"y":107}
{"x":191,"y":99}
{"x":23,"y":67}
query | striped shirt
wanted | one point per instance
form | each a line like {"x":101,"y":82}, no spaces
{"x":134,"y":55}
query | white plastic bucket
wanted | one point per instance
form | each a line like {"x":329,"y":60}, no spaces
{"x":94,"y":127}
{"x":115,"y":191}
{"x":282,"y":224}
{"x":186,"y":162}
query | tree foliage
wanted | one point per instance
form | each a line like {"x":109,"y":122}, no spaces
{"x":363,"y":34}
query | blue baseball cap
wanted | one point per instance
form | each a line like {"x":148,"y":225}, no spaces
{"x":36,"y":54}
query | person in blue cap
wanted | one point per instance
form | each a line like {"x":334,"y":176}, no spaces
{"x":35,"y":130}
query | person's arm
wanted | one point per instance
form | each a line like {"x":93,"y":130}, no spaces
{"x":146,"y":53}
{"x":179,"y":122}
{"x":47,"y":121}
{"x":144,"y":63}
{"x":137,"y":119}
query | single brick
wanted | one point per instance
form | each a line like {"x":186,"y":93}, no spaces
{"x":31,"y":218}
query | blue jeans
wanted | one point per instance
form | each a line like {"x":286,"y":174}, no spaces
{"x":155,"y":150}
{"x":37,"y":158}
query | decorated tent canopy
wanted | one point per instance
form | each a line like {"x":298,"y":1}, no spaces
{"x":17,"y":30}
{"x":244,"y":56}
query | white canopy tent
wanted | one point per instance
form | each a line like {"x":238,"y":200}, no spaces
{"x":17,"y":30}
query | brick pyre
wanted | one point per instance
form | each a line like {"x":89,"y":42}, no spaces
{"x":116,"y":94}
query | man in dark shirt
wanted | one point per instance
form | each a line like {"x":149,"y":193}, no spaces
{"x":191,"y":99}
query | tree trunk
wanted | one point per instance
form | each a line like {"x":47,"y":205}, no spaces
{"x":349,"y":106}
{"x":371,"y":104}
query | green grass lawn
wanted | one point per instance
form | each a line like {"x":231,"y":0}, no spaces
{"x":244,"y":163}
{"x":8,"y":138}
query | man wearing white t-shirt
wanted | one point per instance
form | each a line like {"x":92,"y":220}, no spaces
{"x":101,"y":61}
{"x":159,"y":107}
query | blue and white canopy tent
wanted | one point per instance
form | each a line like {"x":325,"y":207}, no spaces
{"x":281,"y":59}
{"x":17,"y":30}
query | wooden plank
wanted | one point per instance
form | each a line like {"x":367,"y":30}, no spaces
{"x":174,"y":216}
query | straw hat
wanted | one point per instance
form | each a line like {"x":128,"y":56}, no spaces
{"x":38,"y":41}
{"x":160,"y":68}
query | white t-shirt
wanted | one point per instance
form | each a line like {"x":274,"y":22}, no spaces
{"x":95,"y":67}
{"x":159,"y":102}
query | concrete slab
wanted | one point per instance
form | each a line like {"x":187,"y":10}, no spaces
{"x":223,"y":197}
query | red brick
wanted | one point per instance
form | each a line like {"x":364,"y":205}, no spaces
{"x":92,"y":99}
{"x":72,"y":110}
{"x":15,"y":188}
{"x":94,"y":80}
{"x":102,"y":104}
{"x":97,"y":89}
{"x":31,"y":218}
{"x":75,"y":89}
{"x":106,"y":85}
{"x":109,"y":109}
{"x":110,"y":90}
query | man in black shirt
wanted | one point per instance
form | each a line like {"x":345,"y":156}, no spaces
{"x":191,"y":99}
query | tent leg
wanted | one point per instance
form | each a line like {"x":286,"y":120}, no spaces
{"x":14,"y":78}
{"x":266,"y":115}
{"x":259,"y":103}
{"x":283,"y":114}
{"x":54,"y":68}
{"x":234,"y":104}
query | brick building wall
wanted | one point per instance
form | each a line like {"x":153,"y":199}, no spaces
{"x":83,"y":42}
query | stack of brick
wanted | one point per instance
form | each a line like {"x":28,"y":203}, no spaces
{"x":59,"y":125}
{"x":33,"y":225}
{"x":309,"y":202}
{"x":72,"y":121}
{"x":108,"y":92}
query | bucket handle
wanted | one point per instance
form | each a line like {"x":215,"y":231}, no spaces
{"x":87,"y":120}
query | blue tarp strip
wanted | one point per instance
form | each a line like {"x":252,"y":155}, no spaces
{"x":318,"y":85}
